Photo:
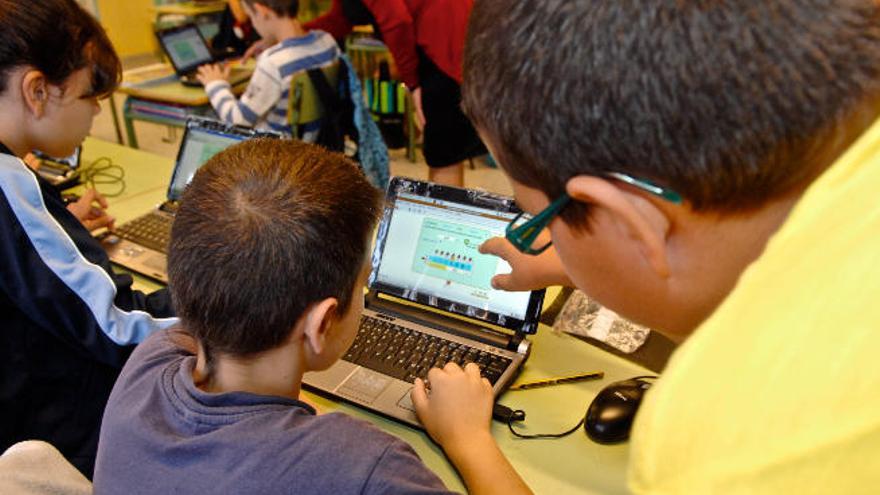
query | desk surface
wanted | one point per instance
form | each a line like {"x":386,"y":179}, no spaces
{"x":570,"y":465}
{"x":190,"y":8}
{"x":158,"y":82}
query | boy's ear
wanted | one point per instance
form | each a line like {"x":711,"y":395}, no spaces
{"x":261,"y":10}
{"x":35,"y":91}
{"x":637,"y":217}
{"x":317,"y":321}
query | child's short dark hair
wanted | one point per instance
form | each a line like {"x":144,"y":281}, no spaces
{"x":57,"y":37}
{"x":723,"y":102}
{"x":284,"y":8}
{"x":266,"y":228}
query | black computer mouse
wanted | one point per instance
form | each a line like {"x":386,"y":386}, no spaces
{"x":610,"y":415}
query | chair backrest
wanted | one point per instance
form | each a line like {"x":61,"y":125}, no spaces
{"x":304,"y":105}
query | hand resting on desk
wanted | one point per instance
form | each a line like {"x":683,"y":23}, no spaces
{"x":91,"y":210}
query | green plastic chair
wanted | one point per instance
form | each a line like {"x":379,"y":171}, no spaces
{"x":304,"y":106}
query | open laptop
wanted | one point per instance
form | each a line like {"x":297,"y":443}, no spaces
{"x":187,"y":50}
{"x":141,"y":245}
{"x":60,"y":172}
{"x":430,"y":300}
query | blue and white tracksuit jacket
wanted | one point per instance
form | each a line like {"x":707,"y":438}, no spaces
{"x":67,"y":322}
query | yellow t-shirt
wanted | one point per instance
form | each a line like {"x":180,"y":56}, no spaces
{"x":778,"y":392}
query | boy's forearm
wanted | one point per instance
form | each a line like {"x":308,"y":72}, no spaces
{"x":484,"y":468}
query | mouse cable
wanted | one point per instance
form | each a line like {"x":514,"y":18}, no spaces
{"x":102,"y":171}
{"x":532,"y":436}
{"x":510,"y":416}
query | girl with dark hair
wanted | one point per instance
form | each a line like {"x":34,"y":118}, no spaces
{"x":69,"y":321}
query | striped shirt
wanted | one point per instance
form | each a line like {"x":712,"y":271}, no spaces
{"x":264,"y":103}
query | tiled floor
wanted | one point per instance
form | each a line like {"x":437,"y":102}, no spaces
{"x":165,"y":141}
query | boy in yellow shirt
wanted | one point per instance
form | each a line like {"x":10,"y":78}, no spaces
{"x":708,"y":169}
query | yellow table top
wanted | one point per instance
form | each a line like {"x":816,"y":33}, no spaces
{"x":190,"y":8}
{"x":569,"y":465}
{"x":146,"y":177}
{"x":158,"y":82}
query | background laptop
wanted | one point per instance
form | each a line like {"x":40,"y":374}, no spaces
{"x":141,"y":245}
{"x":187,"y":50}
{"x":430,"y":300}
{"x":60,"y":172}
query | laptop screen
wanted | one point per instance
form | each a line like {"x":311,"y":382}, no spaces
{"x":427,"y":251}
{"x":202,"y":140}
{"x":185,"y":47}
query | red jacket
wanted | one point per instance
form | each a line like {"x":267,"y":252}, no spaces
{"x":438,"y":27}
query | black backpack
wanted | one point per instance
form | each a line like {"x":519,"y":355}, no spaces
{"x":338,"y":119}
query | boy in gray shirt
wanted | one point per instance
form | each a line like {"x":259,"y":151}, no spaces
{"x":267,"y":262}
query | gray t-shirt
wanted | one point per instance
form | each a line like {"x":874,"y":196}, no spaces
{"x":161,"y":434}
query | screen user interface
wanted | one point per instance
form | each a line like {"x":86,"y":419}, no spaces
{"x":200,"y":145}
{"x":431,"y":255}
{"x":186,"y":48}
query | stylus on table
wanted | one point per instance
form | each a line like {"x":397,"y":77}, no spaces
{"x":596,"y":375}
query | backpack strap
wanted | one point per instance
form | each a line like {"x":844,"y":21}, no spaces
{"x":329,"y":97}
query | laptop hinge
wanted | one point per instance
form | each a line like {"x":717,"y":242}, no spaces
{"x":169,"y":206}
{"x":515,"y":342}
{"x":518,"y":343}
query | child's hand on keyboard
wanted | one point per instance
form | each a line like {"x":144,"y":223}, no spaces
{"x":456,"y":412}
{"x":209,"y":73}
{"x":458,"y":406}
{"x":90,"y":209}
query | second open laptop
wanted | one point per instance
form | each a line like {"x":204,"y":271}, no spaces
{"x":187,"y":50}
{"x":60,"y":172}
{"x":141,"y":245}
{"x":431,"y":302}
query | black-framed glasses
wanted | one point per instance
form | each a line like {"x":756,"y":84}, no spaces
{"x":524,"y":230}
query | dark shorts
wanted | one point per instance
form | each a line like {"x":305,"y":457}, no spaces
{"x":449,"y":136}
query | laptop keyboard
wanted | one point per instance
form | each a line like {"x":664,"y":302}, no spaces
{"x":152,"y":230}
{"x":405,"y":354}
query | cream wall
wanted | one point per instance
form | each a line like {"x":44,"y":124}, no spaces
{"x":129,"y":23}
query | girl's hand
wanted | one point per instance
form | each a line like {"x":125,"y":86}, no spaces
{"x":90,"y":210}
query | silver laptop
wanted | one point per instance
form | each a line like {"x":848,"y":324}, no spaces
{"x":141,"y":245}
{"x":430,"y":300}
{"x":187,"y":50}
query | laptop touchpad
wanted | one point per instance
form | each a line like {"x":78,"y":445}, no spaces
{"x":365,"y":385}
{"x":406,"y":401}
{"x":157,"y":262}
